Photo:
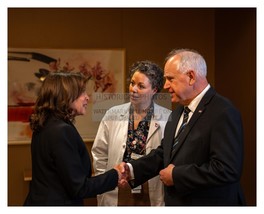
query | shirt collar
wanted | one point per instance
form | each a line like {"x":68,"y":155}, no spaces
{"x":192,"y":106}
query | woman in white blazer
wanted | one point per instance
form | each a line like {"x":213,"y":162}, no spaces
{"x":131,"y":130}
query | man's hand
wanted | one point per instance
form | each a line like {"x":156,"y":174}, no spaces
{"x":123,"y":174}
{"x":166,"y":175}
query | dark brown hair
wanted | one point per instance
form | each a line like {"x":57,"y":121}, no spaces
{"x":151,"y":70}
{"x":57,"y":92}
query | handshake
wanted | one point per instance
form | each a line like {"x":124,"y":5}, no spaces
{"x":123,"y":174}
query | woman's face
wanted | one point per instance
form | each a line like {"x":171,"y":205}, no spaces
{"x":140,"y":89}
{"x":80,"y":104}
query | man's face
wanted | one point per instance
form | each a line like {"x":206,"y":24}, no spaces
{"x":177,"y":83}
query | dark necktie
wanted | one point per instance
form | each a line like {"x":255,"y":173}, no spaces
{"x":186,"y":112}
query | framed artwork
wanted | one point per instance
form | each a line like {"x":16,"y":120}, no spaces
{"x":27,"y":68}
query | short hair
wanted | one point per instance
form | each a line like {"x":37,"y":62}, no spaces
{"x":58,"y":91}
{"x":189,"y":60}
{"x":153,"y":71}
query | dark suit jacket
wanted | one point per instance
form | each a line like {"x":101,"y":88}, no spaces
{"x":61,"y":168}
{"x":208,"y":158}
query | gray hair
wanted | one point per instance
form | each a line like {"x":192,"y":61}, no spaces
{"x":189,"y":60}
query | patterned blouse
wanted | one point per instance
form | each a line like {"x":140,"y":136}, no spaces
{"x":136,"y":138}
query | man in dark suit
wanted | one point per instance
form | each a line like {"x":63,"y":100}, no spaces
{"x":201,"y":155}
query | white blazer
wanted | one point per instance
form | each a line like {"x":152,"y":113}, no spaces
{"x":110,"y":144}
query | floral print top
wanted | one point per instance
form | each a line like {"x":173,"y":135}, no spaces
{"x":137,"y":138}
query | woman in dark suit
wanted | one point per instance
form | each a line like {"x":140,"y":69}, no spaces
{"x":61,"y":166}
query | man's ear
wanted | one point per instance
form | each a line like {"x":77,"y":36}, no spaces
{"x":192,"y":77}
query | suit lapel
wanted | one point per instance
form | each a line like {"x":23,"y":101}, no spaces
{"x":170,"y":133}
{"x":201,"y":108}
{"x":175,"y":121}
{"x":123,"y":122}
{"x":154,"y":125}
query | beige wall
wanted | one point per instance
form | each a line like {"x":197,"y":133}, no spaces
{"x":144,"y":34}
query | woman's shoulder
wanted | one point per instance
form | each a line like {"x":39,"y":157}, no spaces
{"x":58,"y":130}
{"x":121,"y":106}
{"x":117,"y":113}
{"x":119,"y":109}
{"x":162,"y":109}
{"x":161,"y":113}
{"x":57,"y":124}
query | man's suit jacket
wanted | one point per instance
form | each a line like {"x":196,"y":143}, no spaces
{"x":208,"y":157}
{"x":61,"y":167}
